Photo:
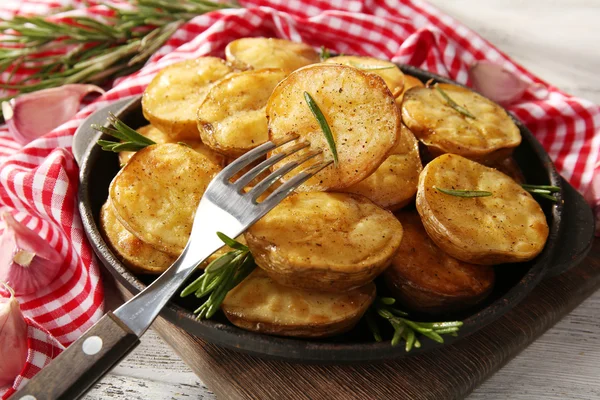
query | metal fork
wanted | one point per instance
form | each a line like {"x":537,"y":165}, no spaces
{"x":224,"y":207}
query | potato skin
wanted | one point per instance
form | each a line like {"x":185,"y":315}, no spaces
{"x":260,"y":304}
{"x":324,"y":241}
{"x":138,"y":256}
{"x":508,"y":226}
{"x":256,"y":53}
{"x":426,"y":279}
{"x":490,"y":136}
{"x":355,"y":105}
{"x":409,"y":82}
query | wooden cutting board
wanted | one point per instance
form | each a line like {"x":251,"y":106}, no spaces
{"x":448,"y":373}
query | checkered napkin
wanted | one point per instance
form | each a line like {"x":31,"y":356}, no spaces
{"x":38,"y":182}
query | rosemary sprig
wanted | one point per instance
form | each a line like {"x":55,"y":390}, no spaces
{"x":314,"y":108}
{"x":220,"y":276}
{"x":325,"y":53}
{"x":130,"y":140}
{"x":453,"y":104}
{"x":371,"y":67}
{"x":463,"y":193}
{"x":81,"y":49}
{"x":406,"y":329}
{"x":544,"y":191}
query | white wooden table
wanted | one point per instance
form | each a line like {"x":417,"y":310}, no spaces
{"x":559,"y":41}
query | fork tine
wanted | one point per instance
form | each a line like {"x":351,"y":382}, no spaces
{"x":284,"y":190}
{"x":263,"y":185}
{"x":269,"y":162}
{"x":251,"y":156}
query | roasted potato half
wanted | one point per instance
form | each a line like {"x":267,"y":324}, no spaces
{"x":232,"y":119}
{"x":138,"y":256}
{"x":262,"y":305}
{"x":394,"y":184}
{"x":359,"y":109}
{"x":409,"y":82}
{"x":391,"y":74}
{"x":156,"y":194}
{"x":257,"y":53}
{"x":159,"y":137}
{"x":426,"y":279}
{"x":324,"y":241}
{"x":171,"y":100}
{"x":488,"y":135}
{"x":508,"y":226}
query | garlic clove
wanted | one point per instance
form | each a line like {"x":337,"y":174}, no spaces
{"x":27,"y":262}
{"x":32,"y":115}
{"x":13,"y":338}
{"x":496,"y":83}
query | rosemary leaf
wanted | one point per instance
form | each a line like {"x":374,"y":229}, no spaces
{"x":325,"y":53}
{"x":453,"y":104}
{"x":234,"y":244}
{"x":464,"y":193}
{"x":370,"y":318}
{"x":551,"y":189}
{"x":130,"y":140}
{"x":314,"y":108}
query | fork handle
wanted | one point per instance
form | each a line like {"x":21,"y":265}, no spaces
{"x":85,"y":361}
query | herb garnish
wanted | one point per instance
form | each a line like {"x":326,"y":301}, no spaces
{"x":325,"y":53}
{"x":544,"y":191}
{"x":220,"y":276}
{"x":371,"y":67}
{"x":453,"y":104}
{"x":314,"y":108}
{"x":130,"y":139}
{"x":405,"y":328}
{"x":463,"y":193}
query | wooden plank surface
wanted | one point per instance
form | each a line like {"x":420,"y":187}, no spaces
{"x":556,"y":40}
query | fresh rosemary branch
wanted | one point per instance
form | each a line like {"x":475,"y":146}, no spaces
{"x":453,"y":104}
{"x":314,"y":108}
{"x":220,"y":276}
{"x":544,"y":191}
{"x":89,"y":50}
{"x":406,"y":329}
{"x":463,"y":193}
{"x":130,"y":140}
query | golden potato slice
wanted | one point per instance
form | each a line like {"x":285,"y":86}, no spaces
{"x":409,"y":82}
{"x":159,"y":137}
{"x":360,"y":110}
{"x":508,"y":226}
{"x":391,"y":74}
{"x":491,"y":135}
{"x":426,"y":279}
{"x":394,"y":184}
{"x":232,"y":119}
{"x":171,"y":100}
{"x":262,"y":305}
{"x":156,"y":194}
{"x":324,"y":241}
{"x":138,"y":256}
{"x":256,"y":53}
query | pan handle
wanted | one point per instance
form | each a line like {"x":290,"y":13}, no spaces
{"x":577,"y":234}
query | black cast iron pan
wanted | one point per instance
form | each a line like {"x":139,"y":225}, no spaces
{"x":571,"y":234}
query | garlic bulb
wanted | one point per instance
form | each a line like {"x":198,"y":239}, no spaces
{"x":13,"y":338}
{"x":496,"y":83}
{"x":27,"y":262}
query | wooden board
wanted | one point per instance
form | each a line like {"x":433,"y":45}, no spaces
{"x":451,"y":372}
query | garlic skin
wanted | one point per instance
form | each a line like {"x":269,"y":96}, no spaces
{"x":13,"y":338}
{"x":32,"y":115}
{"x":27,"y":262}
{"x":496,"y":83}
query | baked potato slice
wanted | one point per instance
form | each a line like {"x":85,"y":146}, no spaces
{"x":409,"y":82}
{"x":355,"y":104}
{"x":159,"y":136}
{"x":394,"y":184}
{"x":156,"y":194}
{"x":138,"y":256}
{"x":260,"y":52}
{"x":508,"y":226}
{"x":262,"y":305}
{"x":391,"y":74}
{"x":426,"y":279}
{"x":238,"y":124}
{"x":171,"y":100}
{"x":491,"y":135}
{"x":324,"y":241}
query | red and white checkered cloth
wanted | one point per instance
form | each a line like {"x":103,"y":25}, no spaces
{"x":38,"y":182}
